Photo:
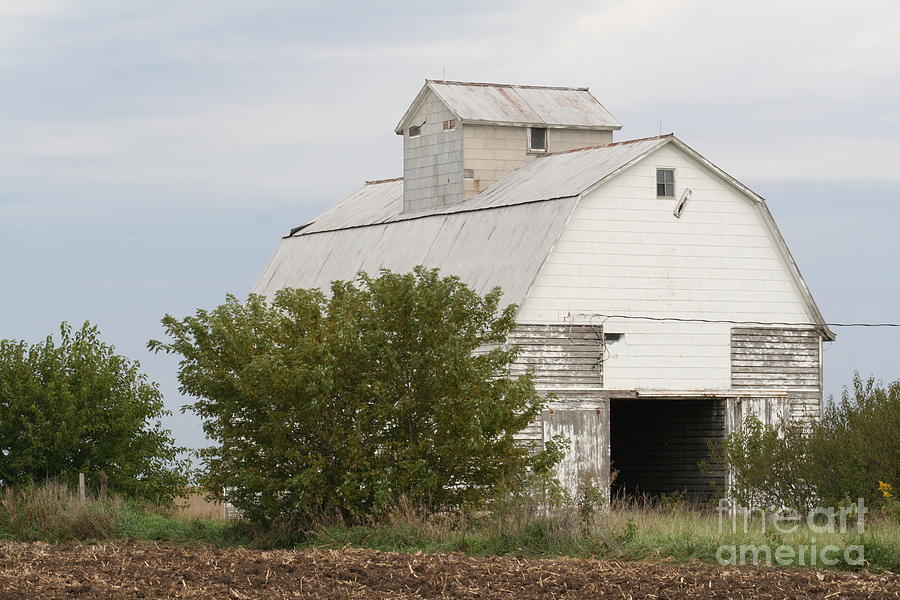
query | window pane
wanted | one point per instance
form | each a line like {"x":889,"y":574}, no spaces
{"x":538,"y":138}
{"x":665,"y":182}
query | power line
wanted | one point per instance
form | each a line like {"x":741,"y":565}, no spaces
{"x":729,"y":322}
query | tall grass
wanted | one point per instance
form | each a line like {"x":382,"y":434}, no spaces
{"x":53,"y":512}
{"x":625,"y":531}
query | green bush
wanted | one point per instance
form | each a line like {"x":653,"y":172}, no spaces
{"x":858,"y":443}
{"x":390,"y":389}
{"x":76,"y":406}
{"x":831,"y":462}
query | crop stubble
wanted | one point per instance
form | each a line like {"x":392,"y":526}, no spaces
{"x":147,"y":570}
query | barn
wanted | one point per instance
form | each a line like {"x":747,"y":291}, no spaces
{"x":658,"y":301}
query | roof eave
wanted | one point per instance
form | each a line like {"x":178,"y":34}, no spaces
{"x":612,"y":127}
{"x":509,"y":85}
{"x":420,"y":97}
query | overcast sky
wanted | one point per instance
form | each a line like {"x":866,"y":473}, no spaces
{"x":151,"y":153}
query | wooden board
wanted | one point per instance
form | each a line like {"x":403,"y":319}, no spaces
{"x":778,"y":358}
{"x":559,"y":355}
{"x":587,"y":457}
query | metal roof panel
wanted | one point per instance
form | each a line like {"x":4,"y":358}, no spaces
{"x":567,"y":107}
{"x":522,"y":105}
{"x":503,"y":247}
{"x":544,"y":178}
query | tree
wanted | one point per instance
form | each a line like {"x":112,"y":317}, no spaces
{"x":77,"y":406}
{"x":391,"y":388}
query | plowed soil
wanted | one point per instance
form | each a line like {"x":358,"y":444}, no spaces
{"x":142,"y":570}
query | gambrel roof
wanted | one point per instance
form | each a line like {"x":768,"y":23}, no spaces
{"x":523,"y":105}
{"x":500,"y":237}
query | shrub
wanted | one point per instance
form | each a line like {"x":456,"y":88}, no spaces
{"x":831,"y":462}
{"x":858,"y":443}
{"x":390,"y":389}
{"x":76,"y":406}
{"x":771,"y":467}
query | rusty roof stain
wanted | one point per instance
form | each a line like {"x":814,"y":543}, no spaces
{"x":510,"y":85}
{"x":377,"y":181}
{"x":521,"y":105}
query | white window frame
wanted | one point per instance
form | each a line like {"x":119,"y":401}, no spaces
{"x":449,"y":125}
{"x":546,"y":147}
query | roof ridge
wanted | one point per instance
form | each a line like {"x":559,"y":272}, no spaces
{"x":611,"y":144}
{"x":509,"y":85}
{"x":377,"y":181}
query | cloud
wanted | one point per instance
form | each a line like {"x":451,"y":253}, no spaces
{"x":152,"y":152}
{"x":279,"y":95}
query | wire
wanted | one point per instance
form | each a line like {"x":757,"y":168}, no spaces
{"x":787,"y":324}
{"x":598,"y":331}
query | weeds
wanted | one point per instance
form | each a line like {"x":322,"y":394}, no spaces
{"x":633,"y":530}
{"x":52,"y":512}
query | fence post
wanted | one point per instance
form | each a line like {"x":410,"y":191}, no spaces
{"x":81,"y":487}
{"x":103,"y":482}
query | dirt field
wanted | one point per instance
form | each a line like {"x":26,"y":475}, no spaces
{"x":143,"y":570}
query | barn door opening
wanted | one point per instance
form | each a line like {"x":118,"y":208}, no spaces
{"x":662,"y":447}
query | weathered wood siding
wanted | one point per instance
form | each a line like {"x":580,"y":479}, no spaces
{"x":583,"y":419}
{"x":785,"y":359}
{"x":768,"y":411}
{"x":659,"y":445}
{"x":623,"y":252}
{"x":566,"y":361}
{"x":562,"y":357}
{"x":587,"y":458}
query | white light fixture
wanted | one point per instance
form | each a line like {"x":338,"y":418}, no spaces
{"x":679,"y":207}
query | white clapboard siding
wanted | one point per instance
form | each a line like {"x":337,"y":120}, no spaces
{"x":624,"y":253}
{"x":779,"y":358}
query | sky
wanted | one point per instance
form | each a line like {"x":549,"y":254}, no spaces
{"x":152,"y":153}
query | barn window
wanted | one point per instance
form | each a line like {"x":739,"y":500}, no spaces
{"x":449,"y":125}
{"x":468,"y":173}
{"x":415,"y":131}
{"x":665,"y":183}
{"x":537,"y":139}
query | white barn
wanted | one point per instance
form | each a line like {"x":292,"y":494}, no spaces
{"x":658,"y":301}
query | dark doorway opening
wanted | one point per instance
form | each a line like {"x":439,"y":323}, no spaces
{"x":659,"y":446}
